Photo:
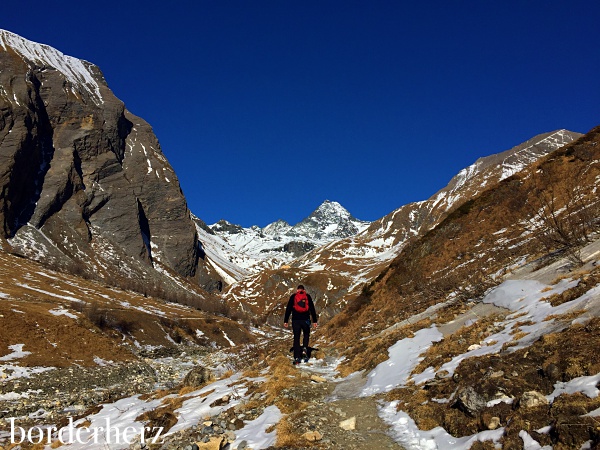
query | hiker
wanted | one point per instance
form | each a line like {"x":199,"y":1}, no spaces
{"x":302,"y":308}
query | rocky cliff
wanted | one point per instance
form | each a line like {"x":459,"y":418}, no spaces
{"x":84,"y":183}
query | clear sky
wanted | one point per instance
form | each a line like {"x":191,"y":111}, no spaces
{"x":266,"y":108}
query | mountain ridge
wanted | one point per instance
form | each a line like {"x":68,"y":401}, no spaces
{"x":239,"y":251}
{"x":337,"y":271}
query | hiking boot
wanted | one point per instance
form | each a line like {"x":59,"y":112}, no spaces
{"x":305,"y":360}
{"x":296,"y":361}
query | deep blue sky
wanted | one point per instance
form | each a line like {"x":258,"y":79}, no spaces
{"x":267,"y":108}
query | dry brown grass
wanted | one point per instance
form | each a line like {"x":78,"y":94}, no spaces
{"x":588,"y":281}
{"x":288,"y":435}
{"x":508,"y":345}
{"x":282,"y":375}
{"x":519,"y":335}
{"x":567,"y":317}
{"x":156,"y":394}
{"x":106,"y":317}
{"x":187,"y":389}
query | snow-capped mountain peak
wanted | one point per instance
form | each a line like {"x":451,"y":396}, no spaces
{"x":76,"y":71}
{"x":253,"y":249}
{"x":329,"y":209}
{"x":328,"y":222}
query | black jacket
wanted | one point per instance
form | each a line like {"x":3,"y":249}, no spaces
{"x":300,"y":315}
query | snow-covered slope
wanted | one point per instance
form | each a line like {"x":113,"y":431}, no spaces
{"x":238,"y":251}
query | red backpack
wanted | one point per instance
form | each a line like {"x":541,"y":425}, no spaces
{"x":301,"y":301}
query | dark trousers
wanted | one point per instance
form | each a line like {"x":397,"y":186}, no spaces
{"x":300,"y":326}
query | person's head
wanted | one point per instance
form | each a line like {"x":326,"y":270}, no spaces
{"x":300,"y":287}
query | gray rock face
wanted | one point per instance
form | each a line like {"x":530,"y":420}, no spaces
{"x":197,"y":377}
{"x":298,"y":248}
{"x":470,"y":401}
{"x":222,"y":226}
{"x":81,"y":174}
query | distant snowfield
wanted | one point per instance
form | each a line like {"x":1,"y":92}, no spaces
{"x":245,"y":251}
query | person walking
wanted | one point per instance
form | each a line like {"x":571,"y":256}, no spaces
{"x":301,"y":307}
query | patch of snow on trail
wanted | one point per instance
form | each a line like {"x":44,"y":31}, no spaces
{"x":404,"y":356}
{"x":327,"y":368}
{"x":123,"y":413}
{"x":197,"y":407}
{"x":255,"y":432}
{"x":120,"y":415}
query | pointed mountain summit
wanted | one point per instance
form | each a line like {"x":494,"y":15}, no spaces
{"x":329,"y":221}
{"x":250,"y":250}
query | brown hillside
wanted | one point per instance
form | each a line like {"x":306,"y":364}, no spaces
{"x":469,"y":251}
{"x":63,"y":320}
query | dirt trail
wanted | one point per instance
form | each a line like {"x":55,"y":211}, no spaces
{"x":370,"y":431}
{"x":333,"y":402}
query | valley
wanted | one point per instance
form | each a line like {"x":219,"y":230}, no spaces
{"x":467,"y":320}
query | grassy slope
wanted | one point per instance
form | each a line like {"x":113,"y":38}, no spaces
{"x":108,"y":323}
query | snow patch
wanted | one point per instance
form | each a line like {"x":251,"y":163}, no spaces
{"x":404,"y":356}
{"x":407,"y":434}
{"x":59,"y":311}
{"x":255,"y":432}
{"x":17,"y":352}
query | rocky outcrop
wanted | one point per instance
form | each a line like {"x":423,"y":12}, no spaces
{"x":83,"y":181}
{"x":298,"y":248}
